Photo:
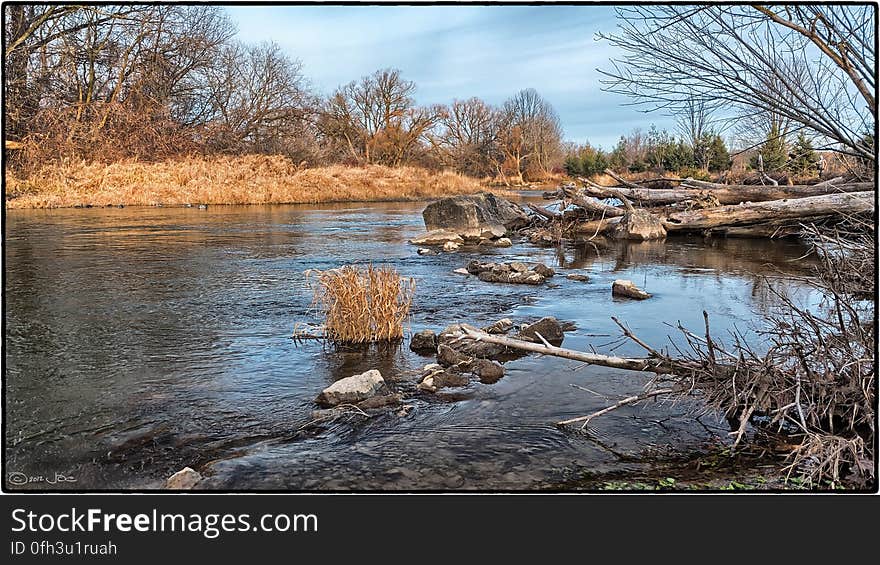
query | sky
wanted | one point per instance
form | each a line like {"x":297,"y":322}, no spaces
{"x":455,"y":52}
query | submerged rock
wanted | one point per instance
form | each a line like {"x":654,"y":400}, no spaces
{"x":626,"y":288}
{"x":184,"y":479}
{"x":577,"y":277}
{"x":437,"y":237}
{"x":380,"y":401}
{"x":514,"y":277}
{"x":352,"y":390}
{"x":474,"y":211}
{"x":639,"y":225}
{"x":549,"y":328}
{"x":424,"y":342}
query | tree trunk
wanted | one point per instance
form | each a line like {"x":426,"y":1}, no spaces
{"x":811,"y":207}
{"x":726,"y":194}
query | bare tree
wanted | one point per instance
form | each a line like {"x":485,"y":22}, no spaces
{"x":467,"y":137}
{"x":811,"y":64}
{"x":376,"y":118}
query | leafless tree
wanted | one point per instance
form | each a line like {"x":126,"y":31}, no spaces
{"x":467,"y":137}
{"x":810,"y":64}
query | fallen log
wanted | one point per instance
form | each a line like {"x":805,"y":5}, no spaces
{"x":650,"y":364}
{"x":544,"y":213}
{"x":726,"y":194}
{"x":810,"y":207}
{"x":591,"y":204}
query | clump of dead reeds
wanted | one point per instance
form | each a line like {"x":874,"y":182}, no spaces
{"x":362,"y":304}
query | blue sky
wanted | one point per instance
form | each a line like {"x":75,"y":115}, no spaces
{"x":461,"y":51}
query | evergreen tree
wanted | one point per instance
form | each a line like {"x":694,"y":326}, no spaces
{"x":803,"y":156}
{"x":719,"y":156}
{"x":773,"y":151}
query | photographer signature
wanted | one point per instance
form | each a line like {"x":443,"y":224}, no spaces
{"x":19,"y":479}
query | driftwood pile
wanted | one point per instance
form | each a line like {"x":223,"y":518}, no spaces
{"x":697,"y":207}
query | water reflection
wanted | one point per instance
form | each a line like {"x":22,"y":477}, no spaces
{"x":143,"y":340}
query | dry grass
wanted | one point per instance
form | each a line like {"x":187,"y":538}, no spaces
{"x":248,"y":179}
{"x":362,"y":304}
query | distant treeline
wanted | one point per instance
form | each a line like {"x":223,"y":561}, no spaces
{"x":110,"y":82}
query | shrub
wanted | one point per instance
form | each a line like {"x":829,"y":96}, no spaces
{"x":362,"y":304}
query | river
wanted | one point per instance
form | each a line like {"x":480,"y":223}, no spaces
{"x":142,"y":340}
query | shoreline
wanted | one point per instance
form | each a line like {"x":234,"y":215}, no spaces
{"x":239,"y":180}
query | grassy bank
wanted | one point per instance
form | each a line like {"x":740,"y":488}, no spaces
{"x":249,"y":179}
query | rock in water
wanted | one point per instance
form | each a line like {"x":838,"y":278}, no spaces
{"x":465,"y":347}
{"x":461,"y":272}
{"x":474,"y":211}
{"x":437,"y":237}
{"x":488,"y":371}
{"x":622,"y":287}
{"x":450,"y":246}
{"x":184,"y":479}
{"x":549,"y":328}
{"x":352,"y":390}
{"x":503,"y":242}
{"x":502,"y":326}
{"x":424,"y":342}
{"x":579,"y":278}
{"x":424,"y":251}
{"x":544,"y":270}
{"x":639,"y":225}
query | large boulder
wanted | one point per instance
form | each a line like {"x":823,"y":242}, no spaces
{"x":639,"y":225}
{"x":479,"y":210}
{"x":352,"y":390}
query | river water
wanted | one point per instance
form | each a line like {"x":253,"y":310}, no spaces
{"x":142,"y":340}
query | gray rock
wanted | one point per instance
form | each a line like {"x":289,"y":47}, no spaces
{"x":461,"y":272}
{"x":352,"y":390}
{"x":626,"y":288}
{"x":474,"y":211}
{"x":424,"y":342}
{"x":579,"y":278}
{"x":549,"y":328}
{"x":437,"y":237}
{"x":424,"y":251}
{"x":503,"y":242}
{"x":513,"y":277}
{"x":639,"y":225}
{"x":184,"y":479}
{"x":518,"y":267}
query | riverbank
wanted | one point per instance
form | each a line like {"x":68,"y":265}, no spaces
{"x":248,"y":179}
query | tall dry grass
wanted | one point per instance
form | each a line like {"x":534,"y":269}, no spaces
{"x":362,"y":304}
{"x":247,"y":179}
